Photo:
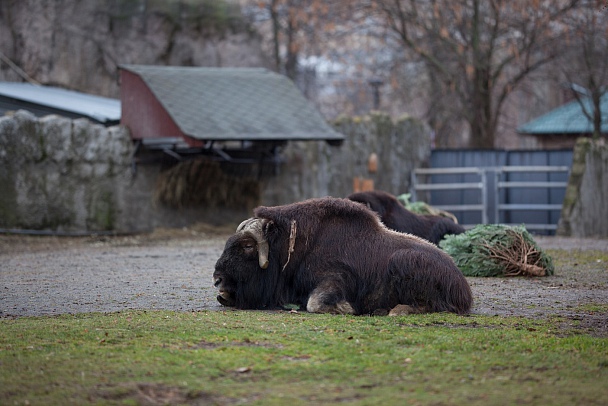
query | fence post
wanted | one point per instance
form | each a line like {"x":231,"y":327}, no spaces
{"x":490,"y":194}
{"x":497,"y":175}
{"x":484,"y":195}
{"x":413,"y":183}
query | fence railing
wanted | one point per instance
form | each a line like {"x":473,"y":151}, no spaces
{"x":499,"y":207}
{"x":480,"y":185}
{"x":487,"y":178}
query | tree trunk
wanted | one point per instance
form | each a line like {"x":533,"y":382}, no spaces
{"x":482,"y":127}
{"x":482,"y":135}
{"x":274,"y":15}
{"x":597,"y":113}
{"x":291,"y":62}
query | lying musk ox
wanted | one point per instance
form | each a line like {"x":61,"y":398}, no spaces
{"x":333,"y":255}
{"x":398,"y":218}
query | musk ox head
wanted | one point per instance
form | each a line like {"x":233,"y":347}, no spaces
{"x":245,"y":255}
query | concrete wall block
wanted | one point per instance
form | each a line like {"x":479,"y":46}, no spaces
{"x":90,"y":141}
{"x":55,"y":131}
{"x":592,"y":208}
{"x":22,"y":138}
{"x":42,"y":201}
{"x":120,"y":146}
{"x":8,"y":134}
{"x":102,"y":208}
{"x":584,"y":210}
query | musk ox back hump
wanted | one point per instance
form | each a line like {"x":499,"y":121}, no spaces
{"x":313,"y":214}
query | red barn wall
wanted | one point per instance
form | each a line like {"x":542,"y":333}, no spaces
{"x":142,"y":112}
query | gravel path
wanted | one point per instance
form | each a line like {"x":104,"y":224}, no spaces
{"x":60,"y":275}
{"x":172,"y":270}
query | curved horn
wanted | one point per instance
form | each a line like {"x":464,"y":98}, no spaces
{"x":256,"y":227}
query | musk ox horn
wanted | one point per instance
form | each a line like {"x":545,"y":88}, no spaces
{"x":256,"y":227}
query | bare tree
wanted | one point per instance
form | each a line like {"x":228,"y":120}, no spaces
{"x":585,"y":66}
{"x":476,"y":52}
{"x":297,"y":27}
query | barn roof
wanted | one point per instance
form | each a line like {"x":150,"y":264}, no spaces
{"x":566,"y":119}
{"x":44,"y":100}
{"x":234,"y":104}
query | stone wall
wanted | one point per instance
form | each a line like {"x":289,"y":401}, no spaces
{"x":73,"y":176}
{"x":584,"y":211}
{"x":318,"y":169}
{"x":62,"y":174}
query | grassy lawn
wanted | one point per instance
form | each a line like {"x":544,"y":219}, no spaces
{"x":279,"y":358}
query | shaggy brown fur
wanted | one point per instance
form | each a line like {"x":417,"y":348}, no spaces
{"x":398,"y":218}
{"x":334,"y":255}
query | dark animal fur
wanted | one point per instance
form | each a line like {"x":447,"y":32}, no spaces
{"x":398,"y":218}
{"x":344,"y":249}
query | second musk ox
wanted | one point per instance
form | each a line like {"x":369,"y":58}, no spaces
{"x":398,"y":218}
{"x":333,"y":255}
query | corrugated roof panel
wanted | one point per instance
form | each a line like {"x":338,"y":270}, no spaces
{"x":102,"y":109}
{"x":566,"y":119}
{"x":235,"y":103}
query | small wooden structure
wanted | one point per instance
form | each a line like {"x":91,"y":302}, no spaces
{"x":230,"y":114}
{"x":561,"y":127}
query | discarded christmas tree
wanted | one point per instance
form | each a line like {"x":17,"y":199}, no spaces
{"x":497,"y":250}
{"x":423,"y":208}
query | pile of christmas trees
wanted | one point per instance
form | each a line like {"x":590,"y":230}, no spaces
{"x":490,"y":249}
{"x":497,"y":250}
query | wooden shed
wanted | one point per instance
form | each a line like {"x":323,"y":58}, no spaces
{"x":559,"y":128}
{"x":228,"y":113}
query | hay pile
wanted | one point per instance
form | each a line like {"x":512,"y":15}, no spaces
{"x":497,"y":250}
{"x":203,"y":183}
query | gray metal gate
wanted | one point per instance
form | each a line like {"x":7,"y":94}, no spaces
{"x":491,"y":190}
{"x":477,"y":185}
{"x":525,"y":186}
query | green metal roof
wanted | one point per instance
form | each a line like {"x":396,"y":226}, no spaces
{"x":235,"y":103}
{"x":567,"y":119}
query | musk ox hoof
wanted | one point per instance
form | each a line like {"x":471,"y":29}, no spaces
{"x":344,"y":307}
{"x":402,"y":310}
{"x":316,"y":305}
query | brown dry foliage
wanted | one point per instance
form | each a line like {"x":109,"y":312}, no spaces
{"x":203,"y":183}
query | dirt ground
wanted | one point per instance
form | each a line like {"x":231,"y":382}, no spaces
{"x":172,"y":270}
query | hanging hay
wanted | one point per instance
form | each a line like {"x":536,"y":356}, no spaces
{"x":203,"y":183}
{"x":497,"y":250}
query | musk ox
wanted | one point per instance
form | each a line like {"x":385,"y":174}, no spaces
{"x":398,"y":218}
{"x":332,"y":255}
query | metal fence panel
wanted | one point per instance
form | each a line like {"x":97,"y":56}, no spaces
{"x":527,"y":200}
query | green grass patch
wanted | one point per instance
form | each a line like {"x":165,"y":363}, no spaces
{"x":594,"y":308}
{"x":278,"y":358}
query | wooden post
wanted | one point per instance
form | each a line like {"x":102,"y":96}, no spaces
{"x":362,"y":184}
{"x":372,"y":163}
